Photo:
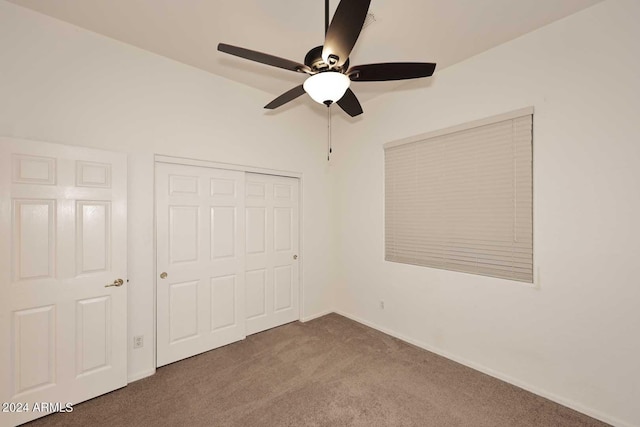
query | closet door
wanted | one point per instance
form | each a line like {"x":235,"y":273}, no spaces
{"x":200,"y":259}
{"x":272,"y":278}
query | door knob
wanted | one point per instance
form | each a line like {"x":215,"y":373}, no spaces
{"x":163,"y":275}
{"x":117,"y":283}
{"x":295,"y":257}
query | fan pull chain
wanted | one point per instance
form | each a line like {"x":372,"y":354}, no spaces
{"x":329,"y":132}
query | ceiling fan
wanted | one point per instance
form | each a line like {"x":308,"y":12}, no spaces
{"x":328,"y":66}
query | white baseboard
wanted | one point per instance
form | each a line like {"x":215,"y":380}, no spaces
{"x":317,"y":315}
{"x":140,"y":375}
{"x":506,"y":378}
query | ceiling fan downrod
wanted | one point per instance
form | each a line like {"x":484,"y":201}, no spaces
{"x":326,"y":16}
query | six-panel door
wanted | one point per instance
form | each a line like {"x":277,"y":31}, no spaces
{"x":200,"y":260}
{"x":271,"y":233}
{"x":63,"y":226}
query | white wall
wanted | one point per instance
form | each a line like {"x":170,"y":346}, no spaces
{"x":573,"y":336}
{"x":59,"y":83}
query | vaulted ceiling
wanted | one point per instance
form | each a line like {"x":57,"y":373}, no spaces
{"x":188,"y":31}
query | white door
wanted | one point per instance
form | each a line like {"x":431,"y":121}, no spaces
{"x":272,"y":281}
{"x":200,"y":262}
{"x":63,"y":218}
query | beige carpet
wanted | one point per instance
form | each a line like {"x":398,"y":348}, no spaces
{"x":327,"y":372}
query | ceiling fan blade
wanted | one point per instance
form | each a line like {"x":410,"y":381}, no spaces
{"x":344,"y":30}
{"x":285,"y":97}
{"x":390,"y":71}
{"x":263,"y":58}
{"x":350,"y":104}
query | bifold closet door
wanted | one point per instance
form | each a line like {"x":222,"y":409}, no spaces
{"x":200,"y":259}
{"x":272,"y":227}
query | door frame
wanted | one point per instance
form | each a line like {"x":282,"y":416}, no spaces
{"x":185,"y":161}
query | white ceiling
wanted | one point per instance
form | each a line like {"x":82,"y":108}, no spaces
{"x":188,"y":31}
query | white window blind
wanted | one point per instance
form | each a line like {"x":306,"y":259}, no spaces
{"x":462,"y":199}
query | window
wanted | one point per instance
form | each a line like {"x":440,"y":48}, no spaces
{"x":462,"y":198}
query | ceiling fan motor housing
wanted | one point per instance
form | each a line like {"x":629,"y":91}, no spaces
{"x":314,"y":60}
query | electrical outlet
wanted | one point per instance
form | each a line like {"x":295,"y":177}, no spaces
{"x":381,"y":305}
{"x":138,"y":341}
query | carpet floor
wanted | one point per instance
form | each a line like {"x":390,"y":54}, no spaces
{"x":327,"y":372}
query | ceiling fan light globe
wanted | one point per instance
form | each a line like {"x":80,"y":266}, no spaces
{"x":328,"y":86}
